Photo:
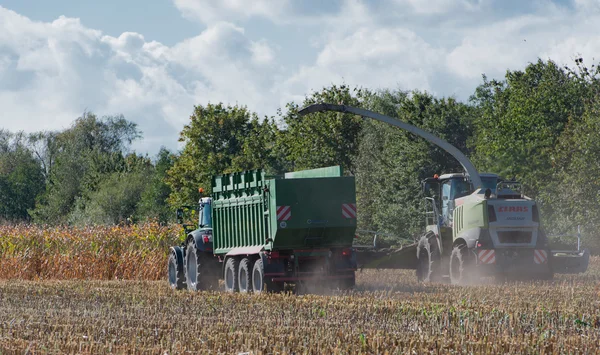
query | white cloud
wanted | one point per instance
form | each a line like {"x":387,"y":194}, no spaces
{"x":50,"y":72}
{"x":57,"y":70}
{"x":210,"y":11}
{"x":372,"y":58}
{"x":438,"y":6}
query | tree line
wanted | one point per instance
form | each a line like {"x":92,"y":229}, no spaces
{"x":540,"y":125}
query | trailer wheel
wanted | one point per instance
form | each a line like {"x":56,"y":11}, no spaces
{"x":230,"y":275}
{"x":245,"y":276}
{"x":176,"y":273}
{"x":460,"y":266}
{"x":428,"y":254}
{"x":199,"y":272}
{"x":259,"y":283}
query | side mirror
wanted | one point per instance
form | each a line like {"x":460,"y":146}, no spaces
{"x":179,"y":214}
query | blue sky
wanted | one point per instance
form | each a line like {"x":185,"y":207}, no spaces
{"x":152,"y":61}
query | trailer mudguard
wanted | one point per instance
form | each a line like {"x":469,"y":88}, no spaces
{"x":272,"y":266}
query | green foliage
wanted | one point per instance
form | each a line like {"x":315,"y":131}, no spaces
{"x":116,"y":197}
{"x":21,"y":177}
{"x":326,"y":138}
{"x":219,"y":139}
{"x":521,"y":119}
{"x":573,"y":196}
{"x":83,"y":154}
{"x":153,"y":203}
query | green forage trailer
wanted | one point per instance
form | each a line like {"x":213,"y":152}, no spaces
{"x":258,"y":233}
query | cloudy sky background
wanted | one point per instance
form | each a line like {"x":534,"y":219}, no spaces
{"x":152,"y":61}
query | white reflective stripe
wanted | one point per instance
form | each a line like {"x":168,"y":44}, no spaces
{"x":284,"y":213}
{"x":487,"y":256}
{"x":349,"y":210}
{"x":540,"y":256}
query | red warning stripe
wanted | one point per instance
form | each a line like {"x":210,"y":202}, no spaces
{"x":284,"y":213}
{"x":540,"y":256}
{"x":349,"y":210}
{"x":487,"y":256}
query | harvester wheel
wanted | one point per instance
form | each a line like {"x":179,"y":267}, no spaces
{"x":176,"y":273}
{"x":259,"y":283}
{"x":230,"y":275}
{"x":245,"y":276}
{"x":460,"y":266}
{"x":199,"y":272}
{"x":428,"y":267}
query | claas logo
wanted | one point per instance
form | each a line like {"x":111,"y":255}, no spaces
{"x":518,"y":209}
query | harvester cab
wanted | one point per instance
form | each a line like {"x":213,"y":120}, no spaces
{"x":441,"y":194}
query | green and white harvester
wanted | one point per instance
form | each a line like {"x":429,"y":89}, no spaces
{"x":477,"y":225}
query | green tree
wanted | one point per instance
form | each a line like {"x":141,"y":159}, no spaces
{"x":154,"y":199}
{"x":83,"y":155}
{"x":117,"y":196}
{"x":572,"y":197}
{"x":392,"y":163}
{"x":521,"y":119}
{"x":21,"y":177}
{"x":325,"y":138}
{"x":219,"y":139}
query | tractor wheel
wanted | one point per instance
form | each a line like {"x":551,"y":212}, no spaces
{"x":199,"y":271}
{"x":176,"y":273}
{"x":245,"y":276}
{"x":428,"y":267}
{"x":230,"y":275}
{"x":461,"y":266}
{"x":259,"y":283}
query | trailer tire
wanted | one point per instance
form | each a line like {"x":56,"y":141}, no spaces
{"x":460,"y":266}
{"x":245,"y":276}
{"x":428,"y":259}
{"x":230,"y":275}
{"x":259,"y":283}
{"x":175,"y":270}
{"x":199,"y":271}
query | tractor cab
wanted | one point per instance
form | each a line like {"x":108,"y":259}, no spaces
{"x":204,"y":215}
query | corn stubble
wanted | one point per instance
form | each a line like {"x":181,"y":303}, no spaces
{"x":389,"y":312}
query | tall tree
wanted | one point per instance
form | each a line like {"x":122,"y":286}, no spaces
{"x":154,"y":199}
{"x":21,"y":177}
{"x":521,"y":118}
{"x":219,"y":139}
{"x":325,"y":138}
{"x":392,"y":162}
{"x":85,"y":153}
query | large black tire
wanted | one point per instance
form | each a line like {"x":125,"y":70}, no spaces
{"x":230,"y":275}
{"x":259,"y":283}
{"x":176,"y":272}
{"x":199,"y":269}
{"x":428,"y":254}
{"x":245,"y":276}
{"x":461,"y":266}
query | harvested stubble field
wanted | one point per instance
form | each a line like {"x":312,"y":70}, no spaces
{"x":389,"y":312}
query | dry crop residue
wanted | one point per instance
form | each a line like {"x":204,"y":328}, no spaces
{"x":387,"y":313}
